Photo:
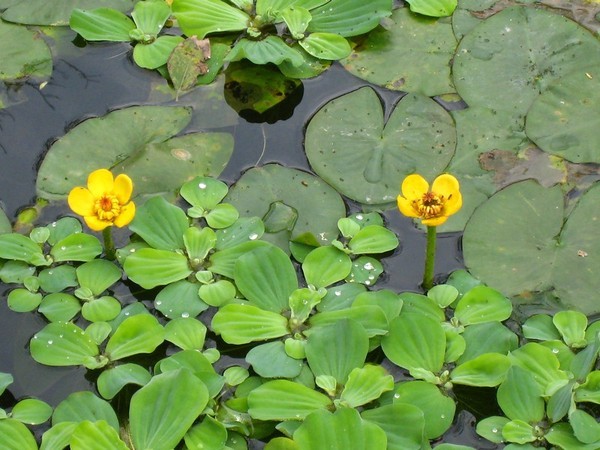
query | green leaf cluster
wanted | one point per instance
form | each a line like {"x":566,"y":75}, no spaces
{"x":300,"y":37}
{"x":308,"y":323}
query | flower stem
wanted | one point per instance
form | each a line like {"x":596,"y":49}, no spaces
{"x":109,"y":245}
{"x":429,"y":258}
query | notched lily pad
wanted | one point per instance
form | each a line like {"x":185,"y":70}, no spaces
{"x":517,"y":53}
{"x":398,"y":56}
{"x":57,"y":12}
{"x":138,"y":141}
{"x":290,"y":202}
{"x":24,"y":54}
{"x":350,"y":147}
{"x":519,"y":242}
{"x":564,"y":119}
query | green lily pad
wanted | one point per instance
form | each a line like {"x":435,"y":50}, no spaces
{"x":314,"y":206}
{"x":136,"y":141}
{"x":398,"y":56}
{"x":350,"y":147}
{"x":533,"y":249}
{"x":564,"y":119}
{"x":25,"y":54}
{"x":517,"y":53}
{"x":56,"y":13}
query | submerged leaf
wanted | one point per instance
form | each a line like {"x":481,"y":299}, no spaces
{"x":187,"y":62}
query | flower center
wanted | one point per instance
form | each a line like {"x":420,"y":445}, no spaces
{"x":430,"y":205}
{"x":107,"y":207}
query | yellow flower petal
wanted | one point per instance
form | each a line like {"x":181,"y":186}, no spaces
{"x":100,"y":182}
{"x":434,"y":221}
{"x":123,"y":187}
{"x":96,"y":224}
{"x":126,"y":216}
{"x":453,"y":204}
{"x":405,"y":207}
{"x":445,"y":185}
{"x":81,"y":201}
{"x":414,"y":187}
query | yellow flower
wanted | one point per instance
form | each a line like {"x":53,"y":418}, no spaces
{"x":105,"y":201}
{"x":433,"y":206}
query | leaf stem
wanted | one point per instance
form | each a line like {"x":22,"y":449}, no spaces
{"x":429,"y":258}
{"x":109,"y":245}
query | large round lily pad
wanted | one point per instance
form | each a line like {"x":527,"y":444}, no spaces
{"x":564,"y":120}
{"x":290,"y":202}
{"x":413,"y":55}
{"x":508,"y":59}
{"x":137,"y":141}
{"x":518,"y":242}
{"x":350,"y":146}
{"x":56,"y":12}
{"x":24,"y":53}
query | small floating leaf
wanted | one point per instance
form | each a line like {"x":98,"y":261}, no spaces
{"x":187,"y":62}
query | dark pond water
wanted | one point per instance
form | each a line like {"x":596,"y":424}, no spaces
{"x":92,"y":81}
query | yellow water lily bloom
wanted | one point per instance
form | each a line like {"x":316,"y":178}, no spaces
{"x":433,"y":206}
{"x":105,"y":201}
